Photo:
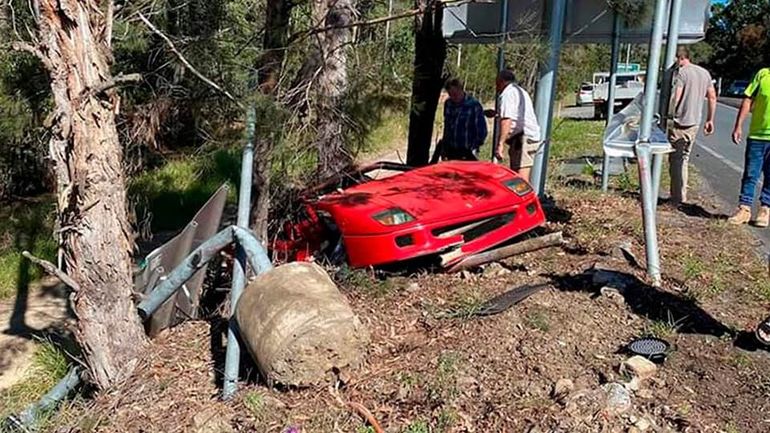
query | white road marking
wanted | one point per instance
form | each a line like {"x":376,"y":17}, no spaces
{"x":724,"y":160}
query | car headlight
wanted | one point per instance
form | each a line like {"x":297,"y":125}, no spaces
{"x":393,"y":217}
{"x":519,"y":186}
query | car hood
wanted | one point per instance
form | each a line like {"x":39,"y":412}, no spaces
{"x":430,"y":194}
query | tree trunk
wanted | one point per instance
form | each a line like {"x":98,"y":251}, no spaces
{"x":331,"y":84}
{"x":429,"y":57}
{"x":276,"y":38}
{"x":91,"y":193}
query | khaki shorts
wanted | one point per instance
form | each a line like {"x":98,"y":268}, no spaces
{"x":522,"y":151}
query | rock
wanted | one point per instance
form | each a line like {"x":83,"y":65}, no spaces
{"x":634,"y":385}
{"x":613,"y":294}
{"x":645,"y":394}
{"x":210,"y":421}
{"x":618,"y":398}
{"x":495,"y":269}
{"x":638,"y":366}
{"x":562,"y":388}
{"x":633,"y":429}
{"x":413,"y":287}
{"x":643,"y":424}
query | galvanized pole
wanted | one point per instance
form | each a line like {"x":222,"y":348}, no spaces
{"x":672,"y":41}
{"x":643,"y":150}
{"x":387,"y":23}
{"x":614,"y":59}
{"x":233,"y":354}
{"x":500,"y":67}
{"x":546,"y":93}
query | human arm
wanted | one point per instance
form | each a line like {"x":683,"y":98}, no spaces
{"x":711,"y":95}
{"x":743,"y":113}
{"x":505,"y":131}
{"x":481,"y":126}
{"x":745,"y":109}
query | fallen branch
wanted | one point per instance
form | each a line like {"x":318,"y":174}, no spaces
{"x":35,"y":51}
{"x":522,"y":247}
{"x":53,"y":270}
{"x":366,"y":415}
{"x":185,"y":62}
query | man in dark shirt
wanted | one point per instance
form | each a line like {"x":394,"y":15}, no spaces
{"x":465,"y":127}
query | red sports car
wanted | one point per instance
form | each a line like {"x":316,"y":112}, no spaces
{"x":454,"y":209}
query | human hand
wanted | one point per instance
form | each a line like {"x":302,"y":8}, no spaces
{"x":737,"y":135}
{"x":499,"y":154}
{"x":708,"y":128}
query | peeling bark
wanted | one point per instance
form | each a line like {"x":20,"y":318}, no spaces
{"x":278,"y":14}
{"x":329,"y":63}
{"x":95,"y":236}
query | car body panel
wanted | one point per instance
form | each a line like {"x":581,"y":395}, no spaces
{"x":457,"y":206}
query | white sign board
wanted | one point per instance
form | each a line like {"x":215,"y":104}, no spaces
{"x":587,"y":21}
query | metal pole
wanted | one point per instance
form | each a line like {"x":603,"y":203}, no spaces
{"x":614,"y":59}
{"x":500,"y":67}
{"x":233,"y":354}
{"x":628,"y":56}
{"x":643,"y":150}
{"x":459,"y":56}
{"x":672,"y":41}
{"x":546,"y":93}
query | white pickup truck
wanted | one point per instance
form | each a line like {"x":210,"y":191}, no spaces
{"x":628,"y":85}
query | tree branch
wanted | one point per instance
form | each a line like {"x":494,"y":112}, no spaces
{"x":53,"y":270}
{"x":185,"y":62}
{"x":115,"y":82}
{"x":35,"y":51}
{"x":410,"y":13}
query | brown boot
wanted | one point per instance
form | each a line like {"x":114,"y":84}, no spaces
{"x":763,"y":217}
{"x":741,"y":216}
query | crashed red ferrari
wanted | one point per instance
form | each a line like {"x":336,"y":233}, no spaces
{"x":451,"y":210}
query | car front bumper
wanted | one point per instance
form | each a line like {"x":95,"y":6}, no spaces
{"x":461,"y":236}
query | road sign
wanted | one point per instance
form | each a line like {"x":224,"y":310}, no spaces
{"x":629,"y":67}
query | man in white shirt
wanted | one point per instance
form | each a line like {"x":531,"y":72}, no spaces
{"x":518,"y":125}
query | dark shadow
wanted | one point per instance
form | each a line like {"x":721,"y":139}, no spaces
{"x":218,"y":335}
{"x":748,"y":341}
{"x":578,"y":183}
{"x":650,"y":302}
{"x":698,"y":211}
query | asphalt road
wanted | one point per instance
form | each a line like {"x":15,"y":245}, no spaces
{"x":720,"y":163}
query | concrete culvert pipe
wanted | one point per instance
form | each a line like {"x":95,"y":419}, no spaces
{"x":298,"y":327}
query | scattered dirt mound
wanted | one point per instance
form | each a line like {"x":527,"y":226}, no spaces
{"x":433,"y":367}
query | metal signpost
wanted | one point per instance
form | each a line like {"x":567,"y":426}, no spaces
{"x":546,"y":94}
{"x":614,"y":68}
{"x":643,"y":150}
{"x":500,"y":67}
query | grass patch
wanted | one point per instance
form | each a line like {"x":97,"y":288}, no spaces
{"x":362,"y":281}
{"x":537,"y":320}
{"x":173,"y":193}
{"x":465,"y":305}
{"x":575,"y":138}
{"x":25,"y":226}
{"x":417,"y":427}
{"x":49,"y":365}
{"x":255,"y":403}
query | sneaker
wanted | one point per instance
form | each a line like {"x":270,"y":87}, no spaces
{"x":741,"y":216}
{"x":763,"y":217}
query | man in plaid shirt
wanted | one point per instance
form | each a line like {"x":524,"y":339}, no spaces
{"x":465,"y":127}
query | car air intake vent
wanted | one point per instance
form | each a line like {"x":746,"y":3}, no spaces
{"x":473,"y":229}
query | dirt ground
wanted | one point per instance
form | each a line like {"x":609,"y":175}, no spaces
{"x":39,"y":311}
{"x":434,"y":367}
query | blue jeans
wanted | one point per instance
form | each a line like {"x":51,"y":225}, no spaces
{"x":757,"y":161}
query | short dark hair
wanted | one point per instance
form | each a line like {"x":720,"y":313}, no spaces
{"x":454,"y":83}
{"x":507,"y":76}
{"x":682,"y":52}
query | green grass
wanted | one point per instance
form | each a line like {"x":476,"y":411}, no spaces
{"x":49,"y":365}
{"x":574,"y":138}
{"x":24,"y":226}
{"x":417,"y":427}
{"x":537,"y":320}
{"x":173,"y":193}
